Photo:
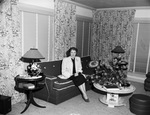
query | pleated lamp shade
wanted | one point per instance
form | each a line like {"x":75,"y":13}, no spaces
{"x":118,"y":49}
{"x":33,"y":55}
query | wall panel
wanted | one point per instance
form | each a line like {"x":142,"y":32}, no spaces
{"x":79,"y":37}
{"x":43,"y":35}
{"x":86,"y":39}
{"x":29,"y":33}
{"x":38,"y":30}
{"x":140,"y":52}
{"x":142,"y":48}
{"x":135,"y":28}
{"x":51,"y":38}
{"x":83,"y":35}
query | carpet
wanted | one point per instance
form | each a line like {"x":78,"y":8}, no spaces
{"x":76,"y":105}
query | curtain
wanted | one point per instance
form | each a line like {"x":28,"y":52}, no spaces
{"x":109,"y":29}
{"x":65,"y":28}
{"x":10,"y":49}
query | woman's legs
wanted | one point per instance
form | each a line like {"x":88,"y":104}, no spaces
{"x":83,"y":90}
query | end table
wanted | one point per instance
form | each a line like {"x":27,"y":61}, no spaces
{"x":21,"y":86}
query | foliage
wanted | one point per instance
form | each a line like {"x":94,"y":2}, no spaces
{"x":33,"y":69}
{"x":111,"y":73}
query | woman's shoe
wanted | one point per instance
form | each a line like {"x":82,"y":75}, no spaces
{"x":86,"y":100}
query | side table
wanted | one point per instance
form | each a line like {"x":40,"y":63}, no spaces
{"x":20,"y":84}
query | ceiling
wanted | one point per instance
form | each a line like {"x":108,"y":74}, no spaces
{"x":98,"y":4}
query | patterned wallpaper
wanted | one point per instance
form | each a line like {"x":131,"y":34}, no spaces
{"x":10,"y":49}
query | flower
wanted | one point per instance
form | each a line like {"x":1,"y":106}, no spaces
{"x":110,"y":73}
{"x":33,"y":69}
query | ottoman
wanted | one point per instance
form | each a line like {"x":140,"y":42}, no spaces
{"x":139,"y":104}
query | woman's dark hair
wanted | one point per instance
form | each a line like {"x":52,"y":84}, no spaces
{"x":72,"y":48}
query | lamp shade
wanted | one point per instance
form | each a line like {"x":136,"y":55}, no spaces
{"x":118,"y":49}
{"x":33,"y":55}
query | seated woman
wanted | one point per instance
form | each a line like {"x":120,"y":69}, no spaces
{"x":72,"y":69}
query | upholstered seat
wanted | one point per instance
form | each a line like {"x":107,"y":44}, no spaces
{"x":61,"y":84}
{"x":140,"y":104}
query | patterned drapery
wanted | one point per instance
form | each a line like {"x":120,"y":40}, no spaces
{"x":109,"y":29}
{"x":65,"y":28}
{"x":10,"y":49}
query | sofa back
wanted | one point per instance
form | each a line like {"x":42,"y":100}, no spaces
{"x":51,"y":67}
{"x":54,"y":67}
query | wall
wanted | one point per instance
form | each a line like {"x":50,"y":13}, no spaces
{"x":84,"y":21}
{"x":141,"y":43}
{"x":37,"y":20}
{"x":37,"y":25}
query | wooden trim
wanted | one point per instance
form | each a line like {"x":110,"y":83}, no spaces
{"x":89,"y":39}
{"x":36,"y":30}
{"x":137,"y":38}
{"x":80,"y":5}
{"x":22,"y":31}
{"x":49,"y":33}
{"x":83,"y":18}
{"x":123,"y":8}
{"x":82,"y":52}
{"x":35,"y":9}
{"x":147,"y":67}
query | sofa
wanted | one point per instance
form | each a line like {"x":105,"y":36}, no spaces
{"x":58,"y":90}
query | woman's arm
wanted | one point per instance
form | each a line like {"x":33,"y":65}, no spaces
{"x":79,"y":65}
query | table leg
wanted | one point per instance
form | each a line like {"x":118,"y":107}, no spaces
{"x":34,"y":103}
{"x":112,"y":100}
{"x":30,"y":100}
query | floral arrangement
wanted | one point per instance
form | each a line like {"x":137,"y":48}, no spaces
{"x":33,"y":69}
{"x":110,"y":73}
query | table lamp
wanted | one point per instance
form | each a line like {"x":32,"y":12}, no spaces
{"x":32,"y":56}
{"x":118,"y":49}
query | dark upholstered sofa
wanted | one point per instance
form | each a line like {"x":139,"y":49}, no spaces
{"x":59,"y":90}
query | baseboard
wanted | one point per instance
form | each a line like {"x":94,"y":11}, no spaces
{"x":136,"y":77}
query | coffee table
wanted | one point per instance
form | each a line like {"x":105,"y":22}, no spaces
{"x":112,"y":98}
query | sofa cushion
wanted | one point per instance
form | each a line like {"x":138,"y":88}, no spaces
{"x":62,"y":84}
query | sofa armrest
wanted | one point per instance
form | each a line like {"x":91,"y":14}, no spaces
{"x":50,"y":77}
{"x":50,"y":81}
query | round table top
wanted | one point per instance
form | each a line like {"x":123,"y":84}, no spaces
{"x":121,"y":90}
{"x":25,"y":78}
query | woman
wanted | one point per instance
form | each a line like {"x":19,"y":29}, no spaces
{"x":72,"y":69}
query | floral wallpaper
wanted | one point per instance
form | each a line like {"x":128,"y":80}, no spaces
{"x":10,"y":49}
{"x":109,"y":29}
{"x":65,"y":28}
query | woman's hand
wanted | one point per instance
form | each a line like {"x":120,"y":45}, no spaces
{"x":76,"y":74}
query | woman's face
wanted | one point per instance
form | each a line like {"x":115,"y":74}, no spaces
{"x":73,"y":53}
